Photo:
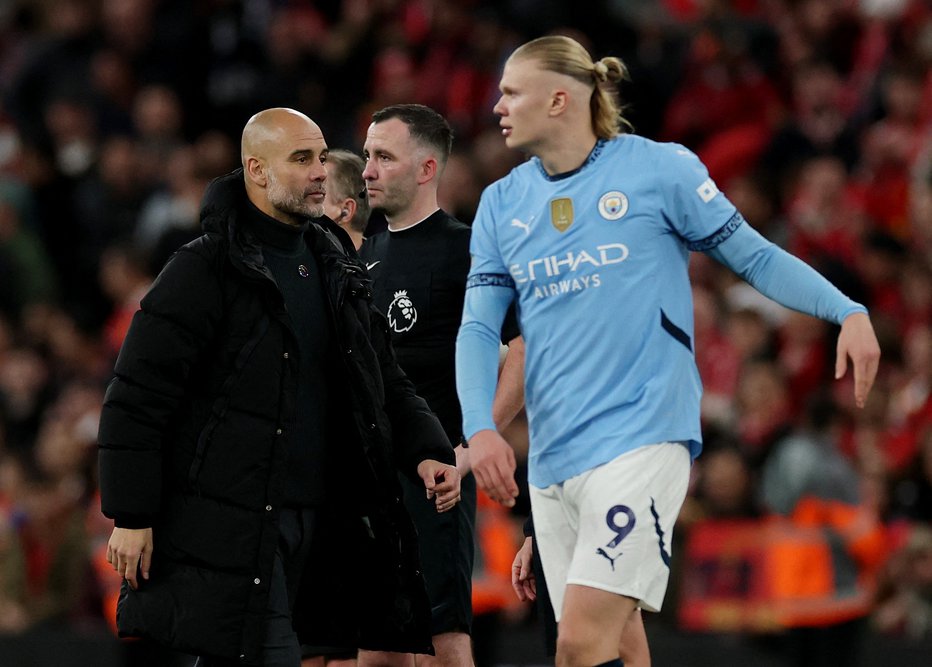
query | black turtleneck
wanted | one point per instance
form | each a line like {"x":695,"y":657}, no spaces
{"x":295,"y":270}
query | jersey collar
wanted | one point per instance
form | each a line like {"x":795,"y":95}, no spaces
{"x":593,"y":156}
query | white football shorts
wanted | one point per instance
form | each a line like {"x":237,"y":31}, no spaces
{"x":610,"y":527}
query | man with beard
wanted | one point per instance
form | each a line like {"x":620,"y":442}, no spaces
{"x":419,"y":267}
{"x":242,"y":493}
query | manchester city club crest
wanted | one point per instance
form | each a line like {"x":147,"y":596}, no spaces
{"x":561,"y":213}
{"x":401,"y":312}
{"x":613,"y":205}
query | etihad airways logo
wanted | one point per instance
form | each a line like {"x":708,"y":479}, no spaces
{"x":564,"y":269}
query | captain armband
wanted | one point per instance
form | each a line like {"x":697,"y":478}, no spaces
{"x":723,"y":233}
{"x":490,"y":280}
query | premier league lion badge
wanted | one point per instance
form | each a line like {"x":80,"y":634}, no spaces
{"x":401,"y":312}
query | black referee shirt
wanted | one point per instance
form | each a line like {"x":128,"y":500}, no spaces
{"x":420,"y":284}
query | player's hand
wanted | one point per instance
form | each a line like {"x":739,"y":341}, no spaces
{"x":493,"y":464}
{"x":129,"y":551}
{"x":522,"y":574}
{"x":857,"y":340}
{"x":442,"y":482}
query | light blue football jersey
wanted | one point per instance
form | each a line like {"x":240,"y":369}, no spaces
{"x":598,"y":260}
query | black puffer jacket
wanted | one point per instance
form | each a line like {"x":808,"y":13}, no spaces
{"x":193,"y":437}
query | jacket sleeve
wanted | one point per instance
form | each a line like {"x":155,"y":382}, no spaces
{"x":417,"y":433}
{"x":168,"y":334}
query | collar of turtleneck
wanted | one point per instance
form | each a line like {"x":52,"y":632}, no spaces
{"x":278,"y":235}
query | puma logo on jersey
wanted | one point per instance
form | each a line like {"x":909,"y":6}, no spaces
{"x":526,"y":226}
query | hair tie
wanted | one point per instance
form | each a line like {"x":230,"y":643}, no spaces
{"x":600,"y":70}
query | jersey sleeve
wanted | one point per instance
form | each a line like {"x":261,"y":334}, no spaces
{"x":782,"y":277}
{"x":692,"y":203}
{"x":477,"y":353}
{"x":489,"y":292}
{"x":487,"y":266}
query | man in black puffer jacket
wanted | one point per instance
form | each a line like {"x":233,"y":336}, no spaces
{"x":253,"y":511}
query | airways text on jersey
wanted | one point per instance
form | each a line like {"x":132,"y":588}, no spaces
{"x":568,"y":272}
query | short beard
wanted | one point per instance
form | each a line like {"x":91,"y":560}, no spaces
{"x":391,"y":204}
{"x":293,"y":204}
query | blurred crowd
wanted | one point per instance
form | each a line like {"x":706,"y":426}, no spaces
{"x":813,"y":116}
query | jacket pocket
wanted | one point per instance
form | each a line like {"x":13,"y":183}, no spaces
{"x":203,"y":442}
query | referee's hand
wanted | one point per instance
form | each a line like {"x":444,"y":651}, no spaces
{"x":442,"y":483}
{"x":493,"y":464}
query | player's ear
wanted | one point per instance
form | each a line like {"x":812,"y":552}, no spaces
{"x":559,"y":100}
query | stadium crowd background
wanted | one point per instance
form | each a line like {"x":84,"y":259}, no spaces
{"x":813,"y":116}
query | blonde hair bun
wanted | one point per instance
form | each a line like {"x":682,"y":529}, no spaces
{"x":600,"y":69}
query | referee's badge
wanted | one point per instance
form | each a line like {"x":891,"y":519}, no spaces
{"x":401,"y":312}
{"x":561,"y":213}
{"x":613,"y":205}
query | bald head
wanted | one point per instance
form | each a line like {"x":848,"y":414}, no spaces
{"x":283,"y":153}
{"x":266,"y":131}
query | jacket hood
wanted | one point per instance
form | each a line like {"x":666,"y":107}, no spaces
{"x":223,"y":197}
{"x":226,"y":196}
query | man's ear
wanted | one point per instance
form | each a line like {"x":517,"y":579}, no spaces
{"x":559,"y":101}
{"x":428,"y":170}
{"x":255,"y":169}
{"x":348,"y":209}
